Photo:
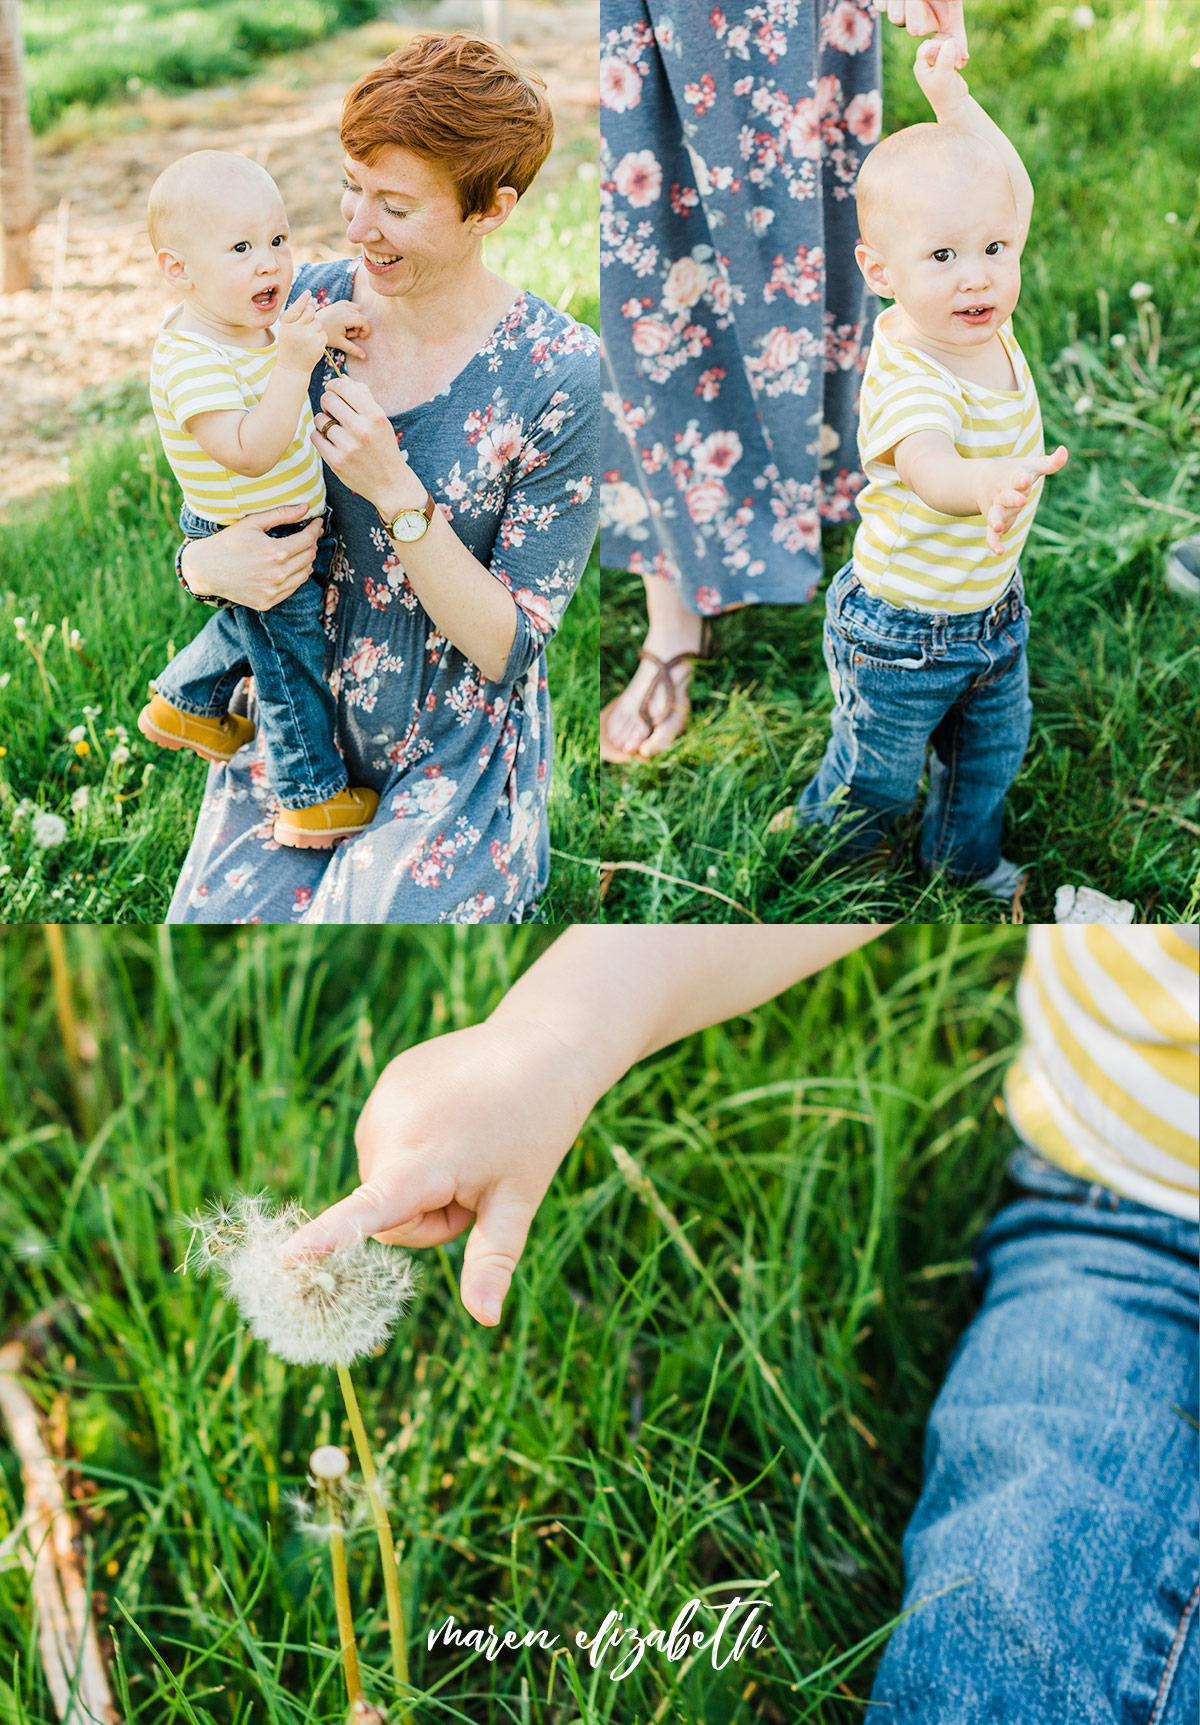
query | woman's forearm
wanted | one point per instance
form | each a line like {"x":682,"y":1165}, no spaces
{"x":613,"y":995}
{"x":475,"y":612}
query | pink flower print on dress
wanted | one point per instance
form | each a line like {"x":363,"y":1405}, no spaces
{"x":301,"y":899}
{"x":686,"y":281}
{"x":362,"y":664}
{"x":848,"y":28}
{"x":620,"y":85}
{"x":651,"y":337}
{"x":638,"y":178}
{"x":500,"y":445}
{"x":864,"y":116}
{"x":718,"y":453}
{"x":706,"y":499}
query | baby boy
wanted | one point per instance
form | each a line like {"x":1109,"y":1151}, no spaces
{"x":229,"y":385}
{"x":926,"y":626}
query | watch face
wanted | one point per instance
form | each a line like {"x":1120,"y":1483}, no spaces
{"x":409,"y":524}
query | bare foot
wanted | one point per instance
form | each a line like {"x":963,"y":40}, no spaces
{"x":673,"y":629}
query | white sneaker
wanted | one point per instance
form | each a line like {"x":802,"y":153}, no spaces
{"x":1003,"y":882}
{"x":1085,"y":904}
{"x":1183,"y":567}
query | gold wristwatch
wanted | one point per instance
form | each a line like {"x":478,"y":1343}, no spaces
{"x":410,"y":524}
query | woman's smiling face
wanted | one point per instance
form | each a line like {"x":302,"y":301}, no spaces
{"x":403,"y":213}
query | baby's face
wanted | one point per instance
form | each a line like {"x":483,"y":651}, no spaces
{"x":239,"y":262}
{"x":952,"y":255}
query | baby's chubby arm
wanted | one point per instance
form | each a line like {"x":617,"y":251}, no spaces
{"x":472,"y":1125}
{"x":254,"y":442}
{"x":953,"y":105}
{"x":997,"y":489}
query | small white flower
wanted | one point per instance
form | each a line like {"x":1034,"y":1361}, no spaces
{"x":122,"y":733}
{"x":120,"y":755}
{"x":1083,"y":404}
{"x":48,"y":830}
{"x":79,"y":800}
{"x":19,"y":625}
{"x":77,"y":734}
{"x":5,"y":868}
{"x":1172,"y":217}
{"x":1070,"y":356}
{"x":1140,"y":291}
{"x":1117,"y":340}
{"x":1083,"y":18}
{"x":310,"y":1311}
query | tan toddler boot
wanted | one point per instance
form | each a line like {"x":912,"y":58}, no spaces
{"x":325,"y":824}
{"x":214,"y":738}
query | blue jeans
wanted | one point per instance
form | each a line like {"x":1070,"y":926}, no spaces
{"x":1060,"y":1503}
{"x":283,"y":649}
{"x":907,"y":681}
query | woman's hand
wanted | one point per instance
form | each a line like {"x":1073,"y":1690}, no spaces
{"x":354,"y":435}
{"x":245,"y":565}
{"x":467,"y":1128}
{"x":940,"y":18}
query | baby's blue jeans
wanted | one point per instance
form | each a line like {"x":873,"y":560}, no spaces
{"x":1060,"y":1501}
{"x":907,"y":682}
{"x":283,"y":649}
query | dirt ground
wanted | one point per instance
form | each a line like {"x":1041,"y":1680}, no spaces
{"x":90,"y":320}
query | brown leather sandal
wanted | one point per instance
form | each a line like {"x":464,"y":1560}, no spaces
{"x":677,"y":699}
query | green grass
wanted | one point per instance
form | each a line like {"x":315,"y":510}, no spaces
{"x":616,"y":1443}
{"x":1109,"y":128}
{"x":80,"y":53}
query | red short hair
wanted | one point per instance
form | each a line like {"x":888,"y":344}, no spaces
{"x":457,"y":99}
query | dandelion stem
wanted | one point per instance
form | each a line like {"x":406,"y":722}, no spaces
{"x":345,"y":1618}
{"x":383,"y":1532}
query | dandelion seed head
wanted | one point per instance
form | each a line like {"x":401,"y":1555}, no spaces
{"x":329,"y":1462}
{"x":1140,"y":291}
{"x":308,"y":1524}
{"x":47,"y":829}
{"x":309,"y":1311}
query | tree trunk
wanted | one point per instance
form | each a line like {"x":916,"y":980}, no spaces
{"x":16,"y":159}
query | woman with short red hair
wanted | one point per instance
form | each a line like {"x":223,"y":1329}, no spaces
{"x":460,"y":456}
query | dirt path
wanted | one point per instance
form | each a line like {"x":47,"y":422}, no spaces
{"x":91,"y":320}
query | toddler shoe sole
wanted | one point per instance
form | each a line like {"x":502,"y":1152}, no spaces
{"x":316,"y":841}
{"x":166,"y":741}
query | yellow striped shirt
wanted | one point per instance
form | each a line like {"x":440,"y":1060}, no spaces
{"x":908,"y":554}
{"x":191,"y":374}
{"x":1105,"y":1083}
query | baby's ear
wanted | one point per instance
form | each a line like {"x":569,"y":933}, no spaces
{"x":874,"y":270}
{"x":172,"y":266}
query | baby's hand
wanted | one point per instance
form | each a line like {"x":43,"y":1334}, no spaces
{"x":945,"y":89}
{"x":301,"y":340}
{"x":929,"y":18}
{"x":1004,"y":490}
{"x":342,"y":322}
{"x":466,"y":1129}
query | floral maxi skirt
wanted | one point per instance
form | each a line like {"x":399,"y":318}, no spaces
{"x":735,"y":319}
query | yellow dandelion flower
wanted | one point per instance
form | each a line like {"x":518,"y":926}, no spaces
{"x":83,"y":747}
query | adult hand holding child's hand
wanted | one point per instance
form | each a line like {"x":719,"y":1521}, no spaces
{"x":935,"y":70}
{"x":939,"y":18}
{"x":345,"y":325}
{"x":1004,"y":490}
{"x":469,"y":1127}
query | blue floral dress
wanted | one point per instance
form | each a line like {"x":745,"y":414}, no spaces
{"x":509,"y":449}
{"x":734,"y":316}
